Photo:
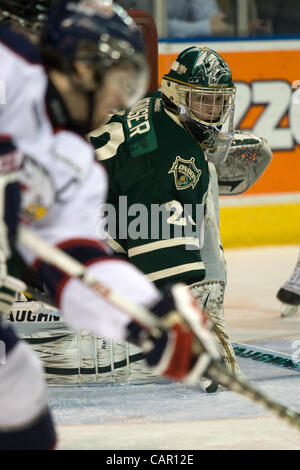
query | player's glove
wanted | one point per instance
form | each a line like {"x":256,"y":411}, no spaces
{"x":182,"y":346}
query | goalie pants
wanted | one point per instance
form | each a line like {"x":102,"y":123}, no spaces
{"x":212,"y":251}
{"x":216,"y":273}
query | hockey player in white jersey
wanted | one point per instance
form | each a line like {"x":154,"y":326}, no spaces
{"x":92,"y":53}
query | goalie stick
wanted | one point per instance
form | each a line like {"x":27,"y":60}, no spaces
{"x":267,"y":356}
{"x":216,"y":372}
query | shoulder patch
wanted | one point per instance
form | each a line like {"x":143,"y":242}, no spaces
{"x":186,"y":174}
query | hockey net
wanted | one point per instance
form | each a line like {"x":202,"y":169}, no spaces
{"x":145,"y":21}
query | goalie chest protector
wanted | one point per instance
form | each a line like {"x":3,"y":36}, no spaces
{"x":150,"y":158}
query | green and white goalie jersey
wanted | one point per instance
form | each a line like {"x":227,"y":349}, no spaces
{"x":158,"y":183}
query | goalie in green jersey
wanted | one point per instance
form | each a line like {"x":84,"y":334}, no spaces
{"x":164,"y":158}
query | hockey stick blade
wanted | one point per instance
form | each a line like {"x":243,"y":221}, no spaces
{"x":215,"y":372}
{"x":266,"y":356}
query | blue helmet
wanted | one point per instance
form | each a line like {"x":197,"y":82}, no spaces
{"x":104,"y":39}
{"x":94,"y":31}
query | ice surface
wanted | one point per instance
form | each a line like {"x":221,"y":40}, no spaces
{"x":165,"y":415}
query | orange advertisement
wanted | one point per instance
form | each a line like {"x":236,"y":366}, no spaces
{"x":268,"y":106}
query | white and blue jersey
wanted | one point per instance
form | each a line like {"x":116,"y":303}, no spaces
{"x":62,"y":186}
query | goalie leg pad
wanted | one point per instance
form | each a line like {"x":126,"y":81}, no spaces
{"x":211,"y":295}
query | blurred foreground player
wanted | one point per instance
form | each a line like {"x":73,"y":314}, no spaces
{"x":93,"y":57}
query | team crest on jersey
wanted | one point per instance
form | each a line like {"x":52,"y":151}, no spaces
{"x":186,"y":174}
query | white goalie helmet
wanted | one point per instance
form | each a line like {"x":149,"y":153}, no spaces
{"x":199,"y":89}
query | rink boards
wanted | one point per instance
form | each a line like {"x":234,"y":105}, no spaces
{"x":256,"y":220}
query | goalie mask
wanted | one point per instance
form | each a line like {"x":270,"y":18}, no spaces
{"x":28,"y":15}
{"x":199,"y":89}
